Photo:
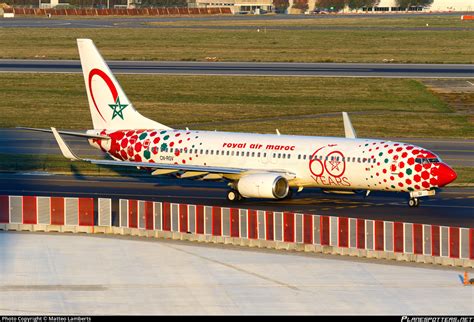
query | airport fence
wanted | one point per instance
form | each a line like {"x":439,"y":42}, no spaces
{"x":453,"y":246}
{"x":119,"y":12}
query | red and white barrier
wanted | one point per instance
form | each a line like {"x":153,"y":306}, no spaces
{"x":119,"y":12}
{"x":244,"y":224}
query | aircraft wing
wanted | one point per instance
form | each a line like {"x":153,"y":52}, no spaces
{"x":164,"y":168}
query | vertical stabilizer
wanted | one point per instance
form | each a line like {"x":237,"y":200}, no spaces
{"x":109,"y":106}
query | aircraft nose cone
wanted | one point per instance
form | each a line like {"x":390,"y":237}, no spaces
{"x":446,"y":175}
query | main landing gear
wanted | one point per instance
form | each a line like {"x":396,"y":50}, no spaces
{"x":413,"y":202}
{"x":233,"y":195}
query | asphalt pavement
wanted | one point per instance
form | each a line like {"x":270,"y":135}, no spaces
{"x":249,"y":69}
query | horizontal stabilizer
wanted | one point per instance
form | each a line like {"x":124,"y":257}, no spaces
{"x":78,"y":134}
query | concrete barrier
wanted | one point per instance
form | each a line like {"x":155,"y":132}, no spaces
{"x":430,"y":244}
{"x":10,"y":12}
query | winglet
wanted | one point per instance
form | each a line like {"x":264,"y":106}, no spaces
{"x":66,"y":151}
{"x":348,"y":129}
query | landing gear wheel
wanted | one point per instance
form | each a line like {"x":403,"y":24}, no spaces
{"x":413,"y":202}
{"x":233,"y":195}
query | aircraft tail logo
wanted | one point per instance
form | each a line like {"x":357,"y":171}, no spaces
{"x":109,"y":106}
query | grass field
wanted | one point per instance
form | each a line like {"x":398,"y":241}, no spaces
{"x":311,"y":106}
{"x":401,"y":40}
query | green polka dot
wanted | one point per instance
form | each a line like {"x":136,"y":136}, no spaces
{"x":386,"y":160}
{"x":146,"y":154}
{"x":166,"y":137}
{"x":409,"y":171}
{"x":393,"y":187}
{"x":380,"y":154}
{"x":372,"y":177}
{"x":142,"y":136}
{"x":410,"y":189}
{"x":164,"y":146}
{"x":367,"y":144}
{"x":162,"y":132}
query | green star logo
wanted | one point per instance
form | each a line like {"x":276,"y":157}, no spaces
{"x":118,"y":108}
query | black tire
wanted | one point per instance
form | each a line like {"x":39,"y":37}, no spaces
{"x":417,"y":202}
{"x":233,"y":196}
{"x":414,"y":202}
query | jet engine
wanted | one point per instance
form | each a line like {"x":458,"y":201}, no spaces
{"x":263,"y":185}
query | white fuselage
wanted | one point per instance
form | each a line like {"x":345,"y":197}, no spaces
{"x":324,"y":162}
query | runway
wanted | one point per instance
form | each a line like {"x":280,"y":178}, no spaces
{"x":249,"y":69}
{"x":253,"y":21}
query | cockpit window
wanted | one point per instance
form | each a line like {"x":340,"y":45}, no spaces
{"x":426,"y":160}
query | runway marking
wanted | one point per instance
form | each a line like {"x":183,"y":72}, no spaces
{"x":268,"y":279}
{"x":448,"y":206}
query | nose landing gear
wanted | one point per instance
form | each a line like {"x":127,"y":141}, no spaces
{"x":413,"y":202}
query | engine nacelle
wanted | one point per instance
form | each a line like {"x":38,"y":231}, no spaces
{"x":263,"y":185}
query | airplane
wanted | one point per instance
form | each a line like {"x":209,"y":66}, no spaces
{"x":254,"y":165}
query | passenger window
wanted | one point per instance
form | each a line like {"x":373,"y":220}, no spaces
{"x":201,"y":151}
{"x":232,"y":153}
{"x":358,"y":160}
{"x":279,"y":155}
{"x":171,"y":150}
{"x":217,"y":152}
{"x":253,"y":154}
{"x":274,"y":155}
{"x":304,"y":156}
{"x":265,"y":155}
{"x":258,"y":155}
{"x":237,"y":153}
{"x":299,"y":156}
{"x":289,"y":156}
{"x":248,"y":154}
